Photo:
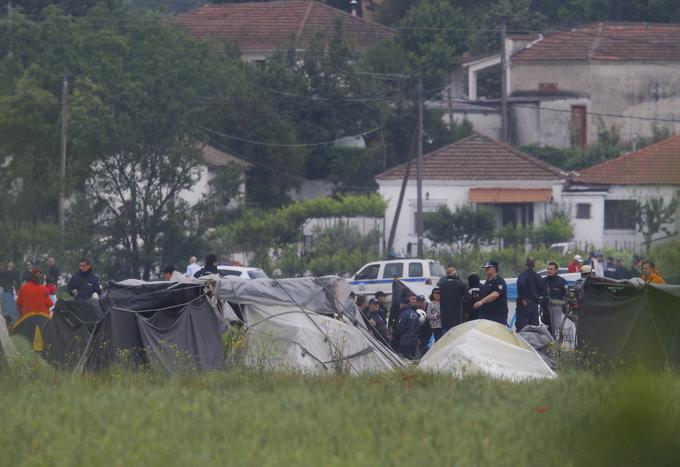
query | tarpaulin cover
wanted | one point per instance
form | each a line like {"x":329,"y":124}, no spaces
{"x":66,"y":335}
{"x":483,"y":347}
{"x":631,"y":322}
{"x":290,"y":325}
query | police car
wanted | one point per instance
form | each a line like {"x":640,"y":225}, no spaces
{"x":379,"y":275}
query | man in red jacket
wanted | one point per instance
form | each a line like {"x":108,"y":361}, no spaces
{"x":33,"y":296}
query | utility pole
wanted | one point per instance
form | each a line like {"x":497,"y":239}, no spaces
{"x":504,"y":84}
{"x":400,"y":201}
{"x":449,"y":100}
{"x":419,"y":171}
{"x":62,"y":168}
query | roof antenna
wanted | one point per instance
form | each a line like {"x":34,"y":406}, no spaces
{"x":353,"y":5}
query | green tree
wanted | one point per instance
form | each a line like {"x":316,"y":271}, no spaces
{"x":465,"y":229}
{"x":653,"y":216}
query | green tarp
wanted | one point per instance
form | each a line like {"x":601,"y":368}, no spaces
{"x":632,"y":323}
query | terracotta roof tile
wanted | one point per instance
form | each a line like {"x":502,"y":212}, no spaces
{"x":267,"y":26}
{"x":658,"y":164}
{"x":609,"y":42}
{"x":215,"y":158}
{"x":478,"y":157}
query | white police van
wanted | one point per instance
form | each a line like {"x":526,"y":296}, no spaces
{"x":379,"y":275}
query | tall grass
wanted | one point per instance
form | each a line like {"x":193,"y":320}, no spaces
{"x":239,"y":417}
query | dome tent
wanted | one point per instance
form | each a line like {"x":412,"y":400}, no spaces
{"x":483,"y":347}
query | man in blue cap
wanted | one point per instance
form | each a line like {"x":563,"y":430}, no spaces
{"x":494,"y":292}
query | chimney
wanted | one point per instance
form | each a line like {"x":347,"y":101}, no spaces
{"x":353,"y":5}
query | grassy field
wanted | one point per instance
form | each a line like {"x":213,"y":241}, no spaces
{"x":247,"y":418}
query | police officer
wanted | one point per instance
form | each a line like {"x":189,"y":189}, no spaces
{"x":380,"y":297}
{"x":529,"y":294}
{"x":494,"y":292}
{"x":406,"y":331}
{"x":556,"y":288}
{"x":377,"y":323}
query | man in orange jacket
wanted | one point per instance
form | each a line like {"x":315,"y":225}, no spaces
{"x":33,"y":296}
{"x":649,"y":273}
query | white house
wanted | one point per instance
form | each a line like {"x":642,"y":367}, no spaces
{"x":602,"y":198}
{"x":476,"y":170}
{"x":212,"y":161}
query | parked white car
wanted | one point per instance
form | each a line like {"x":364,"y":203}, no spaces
{"x":378,"y":275}
{"x":243,"y":272}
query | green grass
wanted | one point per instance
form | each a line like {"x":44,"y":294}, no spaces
{"x":238,"y":417}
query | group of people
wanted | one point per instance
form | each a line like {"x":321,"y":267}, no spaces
{"x":412,"y":321}
{"x":615,"y":269}
{"x":36,"y":291}
{"x":170,"y":273}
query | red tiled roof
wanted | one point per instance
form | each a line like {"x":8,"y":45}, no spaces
{"x":658,"y":164}
{"x":267,"y":26}
{"x":478,"y":157}
{"x":609,"y":42}
{"x":215,"y":158}
{"x":509,"y":195}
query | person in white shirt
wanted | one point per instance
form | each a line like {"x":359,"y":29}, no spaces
{"x":193,"y":267}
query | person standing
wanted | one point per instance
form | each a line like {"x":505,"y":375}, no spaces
{"x":556,"y":288}
{"x":621,"y":271}
{"x":454,"y":299}
{"x":9,"y":284}
{"x":450,"y":271}
{"x":650,"y":274}
{"x":396,"y":306}
{"x":474,"y":285}
{"x":193,"y":267}
{"x":376,"y":323}
{"x":529,"y":295}
{"x":494,"y":292}
{"x":575,"y":265}
{"x":84,"y":283}
{"x":407,"y":330}
{"x":434,"y":314}
{"x":33,"y":296}
{"x":53,"y":271}
{"x":610,"y":268}
{"x":170,"y":274}
{"x":597,"y":265}
{"x":380,"y":296}
{"x":209,"y":268}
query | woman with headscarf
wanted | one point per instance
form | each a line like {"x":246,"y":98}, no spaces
{"x":434,"y":314}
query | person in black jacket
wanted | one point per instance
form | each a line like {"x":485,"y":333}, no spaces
{"x":84,"y":283}
{"x":455,"y":300}
{"x":209,"y":268}
{"x":555,"y":299}
{"x":529,"y":294}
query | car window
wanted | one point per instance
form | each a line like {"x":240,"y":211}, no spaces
{"x":393,"y":270}
{"x":228,"y":272}
{"x":369,"y":272}
{"x":436,"y":269}
{"x":415,"y":270}
{"x":258,"y":274}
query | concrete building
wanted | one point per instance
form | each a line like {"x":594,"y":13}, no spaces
{"x":476,"y":170}
{"x":258,"y":29}
{"x":568,"y":86}
{"x":602,"y":198}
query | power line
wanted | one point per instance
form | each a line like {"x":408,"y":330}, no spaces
{"x":601,"y":114}
{"x":301,"y":145}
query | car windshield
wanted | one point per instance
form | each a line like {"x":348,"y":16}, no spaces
{"x":436,"y":269}
{"x":258,"y":274}
{"x":228,"y":272}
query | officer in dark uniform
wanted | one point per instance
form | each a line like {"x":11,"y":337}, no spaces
{"x":529,"y":294}
{"x":494,"y":292}
{"x":556,"y":288}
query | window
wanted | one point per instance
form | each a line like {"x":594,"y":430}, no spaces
{"x":228,"y":272}
{"x":258,"y":274}
{"x":619,"y":215}
{"x":369,"y":272}
{"x":415,"y":270}
{"x":393,"y":270}
{"x":583,"y":211}
{"x":436,"y":269}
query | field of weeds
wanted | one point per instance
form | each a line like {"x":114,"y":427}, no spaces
{"x":240,"y":417}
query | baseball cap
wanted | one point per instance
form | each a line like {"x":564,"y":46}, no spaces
{"x":373,"y":301}
{"x":578,"y":258}
{"x":586,"y":269}
{"x":491,"y":263}
{"x":420,"y":298}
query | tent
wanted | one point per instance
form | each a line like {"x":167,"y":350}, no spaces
{"x":483,"y":347}
{"x":30,"y":326}
{"x":8,"y":353}
{"x":175,"y":325}
{"x":306,"y":324}
{"x":629,"y":321}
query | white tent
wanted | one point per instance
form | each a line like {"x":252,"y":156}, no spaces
{"x":483,"y":347}
{"x":291,"y":325}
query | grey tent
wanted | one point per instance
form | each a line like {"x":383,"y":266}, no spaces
{"x":628,"y":321}
{"x":136,"y":324}
{"x":8,"y":353}
{"x":305,"y":324}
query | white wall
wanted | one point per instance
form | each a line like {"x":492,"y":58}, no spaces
{"x":201,"y":187}
{"x":451,"y":193}
{"x":591,"y":230}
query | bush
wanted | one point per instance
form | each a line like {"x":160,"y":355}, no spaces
{"x":667,"y":259}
